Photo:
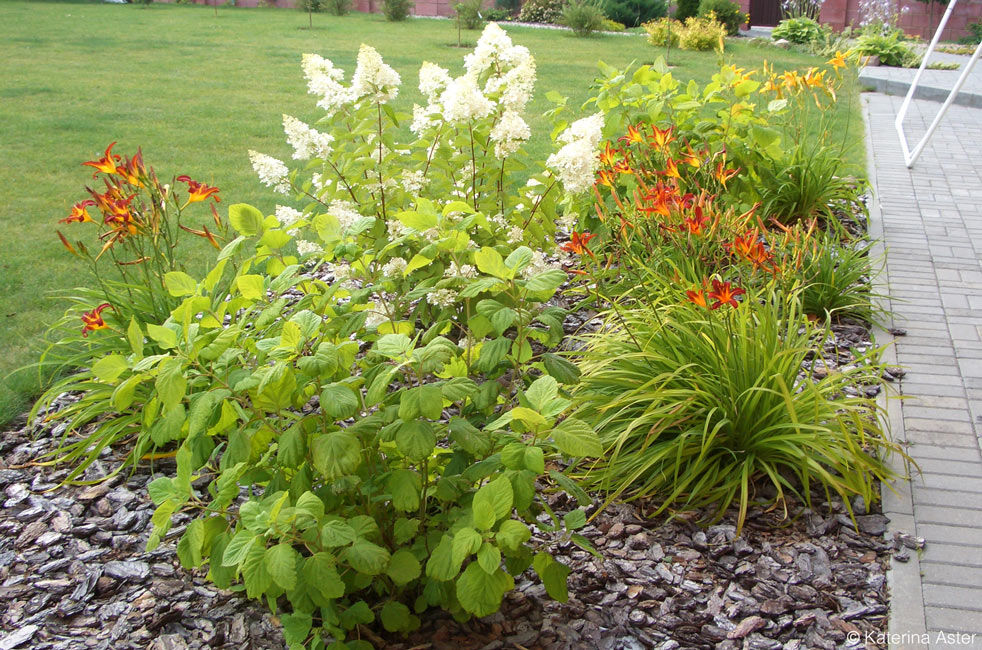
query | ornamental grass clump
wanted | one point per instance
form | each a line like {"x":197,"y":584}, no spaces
{"x":698,"y":400}
{"x":374,"y":363}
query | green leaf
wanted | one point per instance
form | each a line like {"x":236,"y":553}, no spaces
{"x":503,"y":319}
{"x":466,"y":542}
{"x":252,"y":287}
{"x":337,"y":533}
{"x":179,"y":284}
{"x":519,"y":258}
{"x":564,"y":371}
{"x":360,"y":612}
{"x":403,"y":567}
{"x":582,"y":498}
{"x":416,"y":440}
{"x":404,"y":530}
{"x":135,"y":336}
{"x":395,"y":616}
{"x":489,"y":261}
{"x":309,"y":506}
{"x":489,"y":557}
{"x":320,"y":571}
{"x":469,"y":437}
{"x":189,"y":548}
{"x":546,"y":281}
{"x":426,"y":400}
{"x":574,"y":519}
{"x":404,"y":485}
{"x":365,"y":557}
{"x":417,"y":220}
{"x":553,"y":575}
{"x":238,"y":547}
{"x":458,"y":388}
{"x":417,"y":262}
{"x":257,"y":578}
{"x":171,"y":383}
{"x":281,"y":563}
{"x":296,"y":626}
{"x":165,"y":337}
{"x":108,"y":368}
{"x":442,"y":565}
{"x":393,"y":346}
{"x":577,"y":438}
{"x":542,"y":391}
{"x":512,"y":534}
{"x":483,"y":515}
{"x":535,"y":460}
{"x":336,"y":454}
{"x":338,"y":401}
{"x":246,"y":219}
{"x":480,"y":593}
{"x":498,"y":494}
{"x":493,"y":352}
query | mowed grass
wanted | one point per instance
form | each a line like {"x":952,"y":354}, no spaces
{"x":196,"y":92}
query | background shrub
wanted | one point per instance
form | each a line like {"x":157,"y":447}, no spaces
{"x":337,"y":7}
{"x":396,"y":10}
{"x":798,"y":30}
{"x":890,"y":48}
{"x":701,"y":34}
{"x":726,"y":13}
{"x":663,"y":29}
{"x":469,"y":13}
{"x":497,"y":15}
{"x":542,"y":11}
{"x":686,"y":9}
{"x":612,"y":26}
{"x":584,"y":17}
{"x":632,"y":13}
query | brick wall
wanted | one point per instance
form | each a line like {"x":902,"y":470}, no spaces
{"x":915,"y":18}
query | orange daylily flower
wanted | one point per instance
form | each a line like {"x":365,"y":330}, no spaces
{"x":691,"y":158}
{"x":722,"y":174}
{"x":659,"y":198}
{"x":92,"y":320}
{"x":578,"y":243}
{"x":605,"y":177}
{"x":79,"y":213}
{"x":205,"y":233}
{"x":695,"y":223}
{"x":698,"y":298}
{"x":106,"y":164}
{"x":133,"y":170}
{"x":837,"y":61}
{"x":199,"y":191}
{"x":633,"y":136}
{"x":609,"y":156}
{"x":724,"y":294}
{"x":671,"y":169}
{"x":661,"y":139}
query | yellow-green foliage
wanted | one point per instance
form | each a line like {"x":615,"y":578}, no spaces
{"x":702,"y":33}
{"x":659,"y":31}
{"x":613,"y":26}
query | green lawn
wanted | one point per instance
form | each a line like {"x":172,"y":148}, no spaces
{"x":196,"y":92}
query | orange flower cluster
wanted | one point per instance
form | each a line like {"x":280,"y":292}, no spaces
{"x":750,"y":247}
{"x":124,"y":208}
{"x":92,"y":320}
{"x":723,"y":293}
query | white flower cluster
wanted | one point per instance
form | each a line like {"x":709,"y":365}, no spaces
{"x":374,"y":319}
{"x":345,"y":213}
{"x":413,"y":181}
{"x":433,"y":80}
{"x":463,"y":101}
{"x":287,"y":216}
{"x":462,"y":271}
{"x":394,"y":267}
{"x":307,"y":142}
{"x":373,"y":78}
{"x":539,"y":264}
{"x":324,"y":80}
{"x":576,"y":162}
{"x":307,"y":247}
{"x":510,"y":133}
{"x":272,"y":172}
{"x":441,"y":297}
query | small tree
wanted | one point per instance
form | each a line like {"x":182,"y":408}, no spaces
{"x":311,"y":7}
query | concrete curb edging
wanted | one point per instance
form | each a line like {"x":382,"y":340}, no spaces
{"x":906,"y":615}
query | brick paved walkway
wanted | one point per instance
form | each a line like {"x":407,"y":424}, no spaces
{"x":930,"y":218}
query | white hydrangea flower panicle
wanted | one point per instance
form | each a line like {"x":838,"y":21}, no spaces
{"x":463,"y":101}
{"x":345,"y":212}
{"x":307,"y":142}
{"x":441,"y":297}
{"x":494,"y":42}
{"x":373,"y":78}
{"x":394,"y":267}
{"x":576,"y":162}
{"x":271,"y":171}
{"x":433,"y":80}
{"x":308,"y":247}
{"x":325,"y":81}
{"x":287,"y":216}
{"x":509,"y":133}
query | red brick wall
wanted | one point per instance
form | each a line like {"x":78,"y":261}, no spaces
{"x":916,"y":20}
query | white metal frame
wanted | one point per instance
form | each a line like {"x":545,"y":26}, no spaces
{"x":911,"y":155}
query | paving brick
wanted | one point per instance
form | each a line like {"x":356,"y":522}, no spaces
{"x":961,"y":468}
{"x":950,"y":514}
{"x":948,"y":619}
{"x":951,"y":574}
{"x":951,"y":596}
{"x":968,"y":555}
